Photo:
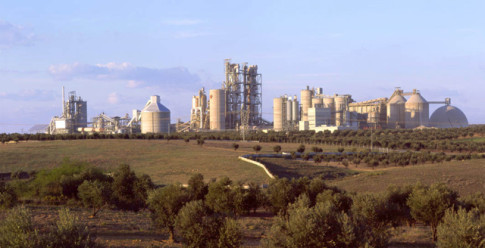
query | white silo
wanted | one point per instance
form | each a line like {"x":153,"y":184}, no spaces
{"x":329,"y":102}
{"x":278,"y":114}
{"x":155,"y":118}
{"x":396,"y":112}
{"x":296,"y":110}
{"x":289,"y":109}
{"x":306,"y":102}
{"x":217,"y":107}
{"x":340,"y":109}
{"x":317,"y":102}
{"x":417,"y":111}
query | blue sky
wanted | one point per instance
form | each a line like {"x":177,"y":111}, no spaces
{"x":116,"y":54}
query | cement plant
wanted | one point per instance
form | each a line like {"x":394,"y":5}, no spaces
{"x":237,"y":105}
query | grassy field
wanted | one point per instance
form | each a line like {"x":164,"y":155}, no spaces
{"x":291,"y":168}
{"x":466,"y":177}
{"x":166,"y":162}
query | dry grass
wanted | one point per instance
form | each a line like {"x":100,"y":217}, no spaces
{"x":166,"y":162}
{"x":296,"y":168}
{"x":466,"y":177}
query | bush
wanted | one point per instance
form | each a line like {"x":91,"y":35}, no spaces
{"x":8,"y":197}
{"x":461,"y":229}
{"x":277,"y":148}
{"x":257,"y":148}
{"x":197,"y":189}
{"x":201,"y":229}
{"x":220,"y":197}
{"x":70,"y":233}
{"x":128,"y":192}
{"x":94,"y":195}
{"x":235,"y":146}
{"x":17,"y":230}
{"x":318,"y":226}
{"x":301,"y":148}
{"x":428,"y":204}
{"x":164,"y":204}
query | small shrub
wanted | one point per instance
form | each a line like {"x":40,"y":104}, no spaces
{"x":301,"y":148}
{"x":277,"y":148}
{"x":257,"y":148}
{"x":17,"y":230}
{"x":8,"y":197}
{"x":461,"y":229}
{"x":235,"y":146}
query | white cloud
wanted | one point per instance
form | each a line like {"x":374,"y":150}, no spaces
{"x":14,"y":35}
{"x":182,"y":22}
{"x":133,"y":83}
{"x":113,"y":98}
{"x":135,"y":75}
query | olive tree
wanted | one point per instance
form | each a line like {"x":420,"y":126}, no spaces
{"x":94,"y":194}
{"x":164,"y":204}
{"x":461,"y":229}
{"x":428,"y":204}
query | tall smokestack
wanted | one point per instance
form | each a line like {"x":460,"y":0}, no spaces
{"x":63,"y":103}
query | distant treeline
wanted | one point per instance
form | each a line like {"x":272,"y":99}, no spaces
{"x":445,"y":140}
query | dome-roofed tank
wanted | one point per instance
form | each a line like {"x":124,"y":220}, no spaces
{"x":447,"y":117}
{"x":155,"y":118}
{"x":417,"y":111}
{"x":395,"y":111}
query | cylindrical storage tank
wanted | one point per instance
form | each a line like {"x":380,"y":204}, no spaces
{"x":417,"y":111}
{"x":289,"y":108}
{"x":155,"y":118}
{"x":295,"y":110}
{"x":217,"y":109}
{"x":278,"y":117}
{"x":329,"y":102}
{"x":317,"y":102}
{"x":340,"y":108}
{"x":306,"y":102}
{"x":396,"y":112}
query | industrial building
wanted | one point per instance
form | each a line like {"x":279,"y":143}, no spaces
{"x":153,"y":118}
{"x":237,"y":105}
{"x":321,"y":112}
{"x":74,"y":115}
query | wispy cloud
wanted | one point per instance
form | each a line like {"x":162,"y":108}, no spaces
{"x":182,"y":22}
{"x":190,"y":34}
{"x":14,"y":35}
{"x":135,"y":76}
{"x":113,"y":98}
{"x":29,"y":95}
